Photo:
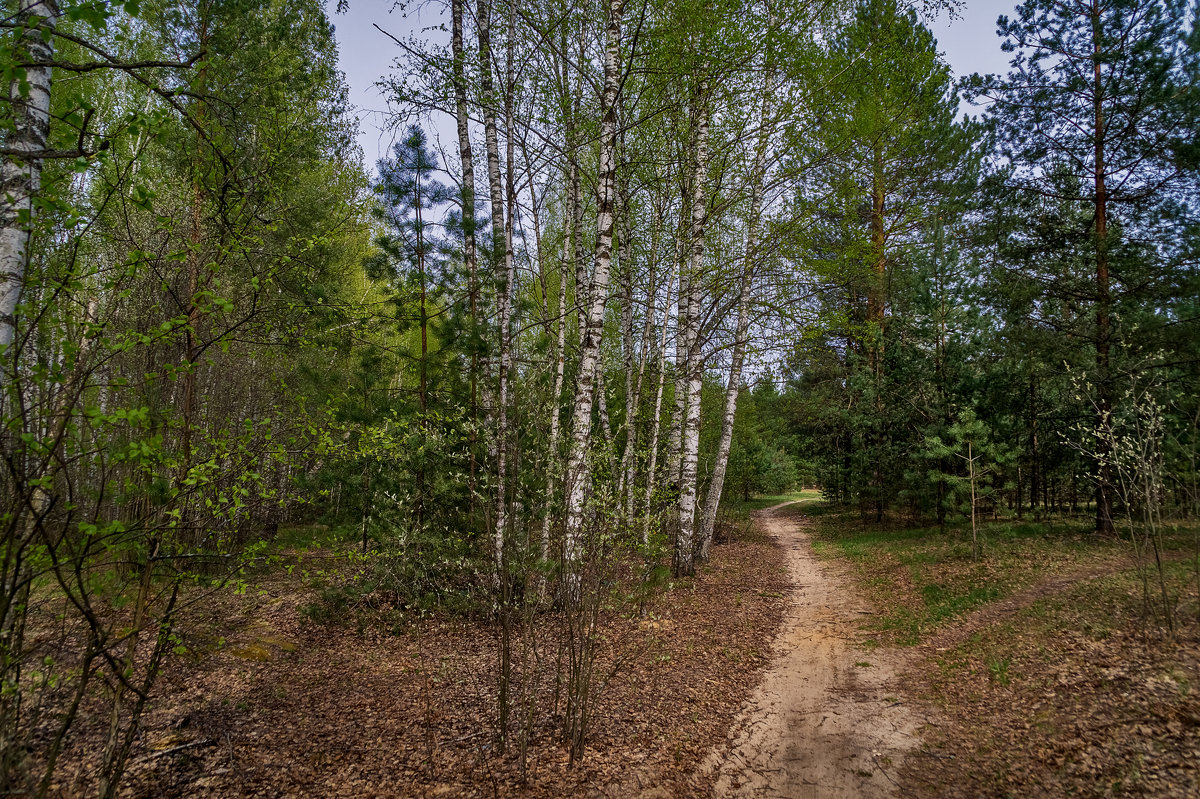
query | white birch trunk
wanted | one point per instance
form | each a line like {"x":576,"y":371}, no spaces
{"x":741,"y":336}
{"x":732,"y":388}
{"x":629,"y":465}
{"x":656,"y":424}
{"x":578,"y":470}
{"x":583,"y":283}
{"x":467,"y":160}
{"x":572,"y":221}
{"x":685,"y":555}
{"x":560,"y":354}
{"x":682,"y":347}
{"x":625,"y":261}
{"x":21,"y":170}
{"x":506,"y":291}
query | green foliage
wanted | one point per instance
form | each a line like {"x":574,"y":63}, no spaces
{"x":1087,"y":219}
{"x":225,"y":326}
{"x":181,"y":265}
{"x":876,"y":375}
{"x":758,"y":462}
{"x":978,"y":458}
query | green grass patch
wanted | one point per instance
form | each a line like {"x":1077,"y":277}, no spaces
{"x":922,"y":578}
{"x":759,"y":503}
{"x":946,"y":602}
{"x":1098,"y":623}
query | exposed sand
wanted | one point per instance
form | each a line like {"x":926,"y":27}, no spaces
{"x":829,"y":719}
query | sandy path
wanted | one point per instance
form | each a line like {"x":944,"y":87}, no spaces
{"x":828,"y":720}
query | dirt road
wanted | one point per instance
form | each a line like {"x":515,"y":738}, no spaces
{"x":829,"y":720}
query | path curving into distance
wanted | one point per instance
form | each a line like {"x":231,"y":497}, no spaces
{"x":829,"y":720}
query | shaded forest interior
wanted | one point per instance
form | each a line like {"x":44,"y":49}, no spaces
{"x":471,"y":421}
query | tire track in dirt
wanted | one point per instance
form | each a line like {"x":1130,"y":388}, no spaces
{"x":997,"y":612}
{"x":829,"y":719}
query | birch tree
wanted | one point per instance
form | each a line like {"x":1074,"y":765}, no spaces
{"x":501,"y":261}
{"x":741,"y":333}
{"x":692,"y":367}
{"x":569,"y":86}
{"x":25,"y":149}
{"x":467,"y":204}
{"x":577,"y":474}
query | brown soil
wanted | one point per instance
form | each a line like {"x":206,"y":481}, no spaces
{"x":829,"y":719}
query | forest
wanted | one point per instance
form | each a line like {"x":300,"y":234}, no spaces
{"x":462,"y":453}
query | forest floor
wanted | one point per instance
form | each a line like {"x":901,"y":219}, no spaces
{"x":271,"y":699}
{"x":1037,"y":670}
{"x":814,"y":656}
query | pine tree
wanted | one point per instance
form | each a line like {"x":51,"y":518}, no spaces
{"x":1091,"y":116}
{"x":894,"y":159}
{"x":408,"y":196}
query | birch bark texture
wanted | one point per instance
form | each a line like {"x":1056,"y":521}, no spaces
{"x":578,"y":472}
{"x":470,"y":252}
{"x":570,"y":101}
{"x":21,"y":168}
{"x":656,"y":418}
{"x":501,"y":263}
{"x":684,"y":560}
{"x":629,"y":463}
{"x":560,"y":354}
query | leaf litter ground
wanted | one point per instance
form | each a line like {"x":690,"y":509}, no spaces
{"x":287,"y":707}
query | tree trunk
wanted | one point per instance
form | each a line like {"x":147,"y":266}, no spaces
{"x":578,"y":471}
{"x":877,"y":310}
{"x":192,"y":347}
{"x":682,"y":344}
{"x":560,"y":352}
{"x":470,"y":261}
{"x":630,"y":464}
{"x":656,"y":423}
{"x":974,"y":525}
{"x":501,"y":257}
{"x":505,"y":290}
{"x":571,"y":258}
{"x":20,"y":177}
{"x":685,"y":555}
{"x":1035,"y":458}
{"x":732,"y":388}
{"x":1104,"y":484}
{"x":741,"y":335}
{"x":423,"y":382}
{"x":610,"y":442}
{"x":625,"y":264}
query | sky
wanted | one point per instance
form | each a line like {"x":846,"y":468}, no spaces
{"x":968,"y":42}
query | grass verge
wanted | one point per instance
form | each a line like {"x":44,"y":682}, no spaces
{"x":921,"y":578}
